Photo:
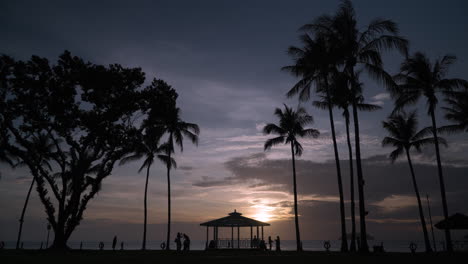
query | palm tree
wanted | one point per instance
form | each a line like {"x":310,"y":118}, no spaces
{"x":403,"y":135}
{"x":147,"y":146}
{"x":457,"y":112}
{"x":420,"y":78}
{"x":44,"y":147}
{"x":343,"y":98}
{"x":290,"y":127}
{"x":315,"y":64}
{"x":177,"y":129}
{"x":355,"y":49}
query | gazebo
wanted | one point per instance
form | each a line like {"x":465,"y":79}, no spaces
{"x":233,"y":220}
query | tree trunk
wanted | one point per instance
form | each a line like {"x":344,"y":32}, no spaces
{"x":168,"y":238}
{"x":296,"y":217}
{"x":364,"y":247}
{"x":18,"y":241}
{"x":344,"y":239}
{"x":143,"y":247}
{"x":421,"y":213}
{"x":351,"y":182}
{"x":448,"y":239}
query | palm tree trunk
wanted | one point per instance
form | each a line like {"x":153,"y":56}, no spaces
{"x":421,"y":213}
{"x":296,"y":217}
{"x":448,"y":239}
{"x":143,"y":247}
{"x":18,"y":241}
{"x":168,"y":237}
{"x":344,"y":239}
{"x":364,"y":247}
{"x":351,"y":182}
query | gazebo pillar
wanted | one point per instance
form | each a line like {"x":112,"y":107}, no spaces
{"x":251,"y":236}
{"x":262,"y":233}
{"x":238,"y":236}
{"x":258,"y":234}
{"x":232,"y":236}
{"x":207,"y":242}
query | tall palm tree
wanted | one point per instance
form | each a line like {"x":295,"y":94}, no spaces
{"x":176,"y":129}
{"x":289,"y":129}
{"x":356,"y":49}
{"x":420,"y":78}
{"x":315,"y":64}
{"x":44,"y":147}
{"x":403,"y":135}
{"x":457,"y":111}
{"x":148,"y":146}
{"x":343,"y":98}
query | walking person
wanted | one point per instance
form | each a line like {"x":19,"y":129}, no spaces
{"x":178,"y":242}
{"x":114,"y":243}
{"x":278,"y":243}
{"x":186,"y":243}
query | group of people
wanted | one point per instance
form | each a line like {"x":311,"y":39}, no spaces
{"x":186,"y":243}
{"x":260,"y":244}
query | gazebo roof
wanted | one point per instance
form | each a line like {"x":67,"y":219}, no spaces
{"x":456,"y":221}
{"x":234,"y":219}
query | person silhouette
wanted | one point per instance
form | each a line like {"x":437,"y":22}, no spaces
{"x":270,"y":242}
{"x":114,"y":243}
{"x":178,"y":242}
{"x":255,"y":242}
{"x":278,"y":243}
{"x":186,"y":243}
{"x":122,"y":245}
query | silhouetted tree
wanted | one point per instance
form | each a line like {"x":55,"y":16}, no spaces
{"x":343,"y":98}
{"x":456,"y":111}
{"x":46,"y":149}
{"x":315,"y":64}
{"x":289,"y":129}
{"x":86,"y":111}
{"x":420,"y":78}
{"x":355,"y":49}
{"x":147,"y":145}
{"x":176,"y":129}
{"x":403,"y":135}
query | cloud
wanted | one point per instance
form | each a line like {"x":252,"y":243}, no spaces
{"x":381,"y":97}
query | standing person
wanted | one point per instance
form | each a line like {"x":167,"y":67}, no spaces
{"x":178,"y":242}
{"x":186,"y":243}
{"x":114,"y":243}
{"x":278,"y":243}
{"x":270,"y":242}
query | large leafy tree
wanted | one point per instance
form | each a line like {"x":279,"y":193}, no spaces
{"x":290,"y":128}
{"x":315,"y":64}
{"x":419,"y":78}
{"x":86,"y":111}
{"x":359,"y":49}
{"x":403,"y":136}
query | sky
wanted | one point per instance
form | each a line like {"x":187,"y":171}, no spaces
{"x":224,"y":60}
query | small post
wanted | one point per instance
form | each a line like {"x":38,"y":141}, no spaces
{"x":48,"y":232}
{"x":232,"y":236}
{"x":258,"y":237}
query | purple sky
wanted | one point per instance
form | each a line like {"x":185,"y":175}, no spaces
{"x":224,"y":59}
